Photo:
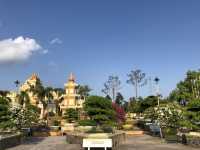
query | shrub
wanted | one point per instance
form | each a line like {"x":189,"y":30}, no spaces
{"x":107,"y":129}
{"x":71,"y":115}
{"x":99,"y":109}
{"x":56,"y":123}
{"x":5,"y":114}
{"x":87,"y":123}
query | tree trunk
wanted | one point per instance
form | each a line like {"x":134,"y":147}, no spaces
{"x":136,"y":90}
{"x":161,"y":134}
{"x":113,"y":94}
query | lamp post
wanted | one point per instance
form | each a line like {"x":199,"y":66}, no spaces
{"x":158,"y":94}
{"x":157,"y":90}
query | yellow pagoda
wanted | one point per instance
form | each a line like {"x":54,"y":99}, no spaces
{"x":71,"y":99}
{"x":31,"y":81}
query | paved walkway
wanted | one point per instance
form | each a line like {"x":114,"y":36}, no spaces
{"x":146,"y":142}
{"x":46,"y":143}
{"x":142,"y":142}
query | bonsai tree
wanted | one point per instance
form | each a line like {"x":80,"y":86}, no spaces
{"x":5,"y":114}
{"x":24,"y":116}
{"x":71,"y":115}
{"x":166,"y":116}
{"x":100,"y":110}
{"x":192,"y":115}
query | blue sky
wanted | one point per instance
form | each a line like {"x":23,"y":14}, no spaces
{"x":95,"y":39}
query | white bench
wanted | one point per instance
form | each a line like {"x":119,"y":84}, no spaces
{"x":94,"y":143}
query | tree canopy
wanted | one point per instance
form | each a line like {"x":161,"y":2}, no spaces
{"x":71,"y":115}
{"x":83,"y":90}
{"x":5,"y":114}
{"x":112,"y":86}
{"x":99,"y":109}
{"x":137,"y":79}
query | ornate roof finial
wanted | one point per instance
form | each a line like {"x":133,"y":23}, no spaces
{"x":34,"y":76}
{"x":71,"y":77}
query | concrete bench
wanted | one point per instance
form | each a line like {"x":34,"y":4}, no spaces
{"x":97,"y":143}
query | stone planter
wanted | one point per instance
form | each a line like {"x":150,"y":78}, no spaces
{"x":55,"y":133}
{"x":54,"y":128}
{"x":67,"y":127}
{"x":77,"y":138}
{"x":10,"y":141}
{"x":193,"y":139}
{"x":83,"y":128}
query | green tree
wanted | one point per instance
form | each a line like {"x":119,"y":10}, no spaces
{"x":187,"y":93}
{"x":44,"y":94}
{"x":108,"y":97}
{"x":23,"y":98}
{"x":188,"y":89}
{"x":24,"y":116}
{"x":134,"y":106}
{"x":71,"y":115}
{"x":99,"y":109}
{"x":4,"y":93}
{"x":112,"y":86}
{"x":149,"y":101}
{"x":192,"y":115}
{"x":167,"y":115}
{"x":17,"y":83}
{"x":59,"y":92}
{"x":83,"y":90}
{"x":5,"y":114}
{"x":119,"y":99}
{"x":137,"y":79}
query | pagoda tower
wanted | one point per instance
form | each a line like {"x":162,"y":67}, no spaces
{"x":71,"y":99}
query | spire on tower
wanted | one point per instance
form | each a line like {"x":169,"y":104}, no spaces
{"x":34,"y":76}
{"x":71,"y":77}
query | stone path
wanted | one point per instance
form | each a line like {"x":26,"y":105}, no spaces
{"x":146,"y":142}
{"x":142,"y":142}
{"x":46,"y":143}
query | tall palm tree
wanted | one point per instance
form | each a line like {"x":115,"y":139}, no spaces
{"x":83,"y":90}
{"x":43,"y":94}
{"x":23,"y":98}
{"x":17,"y":83}
{"x":59,"y":92}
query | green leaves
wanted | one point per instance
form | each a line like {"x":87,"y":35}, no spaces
{"x":5,"y":114}
{"x":112,"y":86}
{"x":188,"y":89}
{"x":167,"y":115}
{"x":71,"y":115}
{"x":83,"y":90}
{"x":24,"y":116}
{"x":99,"y":109}
{"x":137,"y":79}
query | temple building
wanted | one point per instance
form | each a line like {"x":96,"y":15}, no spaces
{"x":31,"y":81}
{"x":71,"y":99}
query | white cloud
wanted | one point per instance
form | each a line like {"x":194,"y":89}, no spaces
{"x":55,"y":41}
{"x":18,"y":49}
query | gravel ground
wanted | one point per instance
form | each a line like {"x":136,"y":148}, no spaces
{"x":143,"y":142}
